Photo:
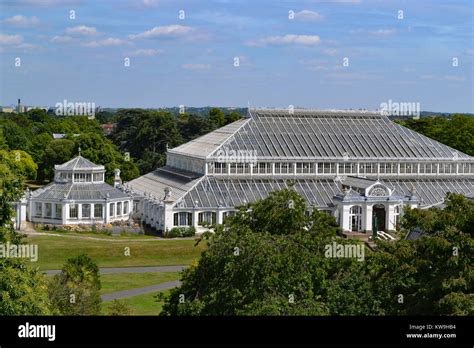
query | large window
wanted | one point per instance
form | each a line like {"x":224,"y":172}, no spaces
{"x":39,"y":209}
{"x":73,"y":211}
{"x":59,"y":211}
{"x":125,"y":208}
{"x":355,"y":218}
{"x":220,"y":168}
{"x":98,"y":177}
{"x":428,"y":168}
{"x":183,"y":219}
{"x":112,"y":209}
{"x":227,"y":214}
{"x":86,"y":211}
{"x":98,"y":210}
{"x":48,"y":209}
{"x":396,"y":212}
{"x":447,"y":168}
{"x":207,"y":216}
{"x":119,"y":208}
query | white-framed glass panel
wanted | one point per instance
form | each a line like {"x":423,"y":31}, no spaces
{"x":112,"y":209}
{"x":408,"y":168}
{"x":220,"y":168}
{"x":135,"y":206}
{"x":305,"y":168}
{"x":48,"y":210}
{"x":368,"y":168}
{"x":207,"y":216}
{"x":262,"y":168}
{"x":283,"y":168}
{"x":388,"y":168}
{"x":347,"y":168}
{"x":98,"y":210}
{"x":119,"y":208}
{"x":355,"y":218}
{"x":86,"y":210}
{"x":73,"y":211}
{"x":125,"y":208}
{"x":38,"y":209}
{"x":327,"y":168}
{"x":396,"y":214}
{"x":183,"y":219}
{"x":98,"y":177}
{"x":227,"y":214}
{"x":59,"y":211}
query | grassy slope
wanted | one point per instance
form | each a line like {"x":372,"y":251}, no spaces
{"x":124,"y":281}
{"x":54,"y":251}
{"x":140,"y":305}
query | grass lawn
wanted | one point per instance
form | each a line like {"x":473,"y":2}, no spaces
{"x":54,"y":251}
{"x":100,"y":235}
{"x":125,"y":281}
{"x":140,"y":305}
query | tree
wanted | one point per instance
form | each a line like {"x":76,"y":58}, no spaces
{"x":76,"y":290}
{"x":3,"y":141}
{"x":270,"y":260}
{"x":232,"y":117}
{"x":57,"y":152}
{"x":217,"y":117}
{"x":22,"y":289}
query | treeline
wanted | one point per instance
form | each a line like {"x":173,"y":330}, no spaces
{"x":456,"y":131}
{"x":137,"y":146}
{"x":33,"y":133}
{"x":146,"y":134}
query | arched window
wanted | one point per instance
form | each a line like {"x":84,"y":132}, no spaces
{"x":355,"y":218}
{"x":207,"y":216}
{"x":183,"y":219}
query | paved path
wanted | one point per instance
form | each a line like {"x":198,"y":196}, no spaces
{"x":143,"y":269}
{"x":140,"y":291}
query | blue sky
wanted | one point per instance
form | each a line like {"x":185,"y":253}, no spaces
{"x":285,"y":58}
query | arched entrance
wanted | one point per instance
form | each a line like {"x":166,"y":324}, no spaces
{"x":378,"y":217}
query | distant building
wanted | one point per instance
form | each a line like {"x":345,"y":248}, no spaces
{"x":108,"y":128}
{"x":8,"y":109}
{"x":61,"y":135}
{"x":358,"y":166}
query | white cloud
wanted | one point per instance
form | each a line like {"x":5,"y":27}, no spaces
{"x":289,"y":39}
{"x":164,"y":31}
{"x":22,"y":21}
{"x":82,"y":30}
{"x":383,"y":32}
{"x":61,"y":39}
{"x":145,"y":52}
{"x":107,"y":42}
{"x":308,"y":16}
{"x":196,"y":66}
{"x":10,"y":39}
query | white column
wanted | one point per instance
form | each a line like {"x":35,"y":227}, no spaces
{"x":390,"y":217}
{"x":344,"y":218}
{"x":106,"y":212}
{"x":367,"y":218}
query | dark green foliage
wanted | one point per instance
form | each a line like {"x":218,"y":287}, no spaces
{"x":76,"y":290}
{"x":456,"y":131}
{"x":271,"y":253}
{"x":118,"y":308}
{"x":176,"y":232}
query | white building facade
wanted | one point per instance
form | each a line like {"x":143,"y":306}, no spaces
{"x":358,"y":166}
{"x":78,"y":195}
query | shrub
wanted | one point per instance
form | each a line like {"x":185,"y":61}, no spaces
{"x":177,"y":232}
